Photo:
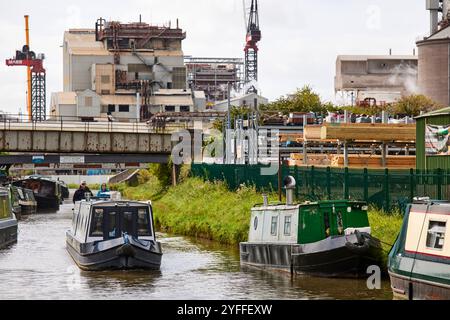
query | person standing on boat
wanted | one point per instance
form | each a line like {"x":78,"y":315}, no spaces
{"x":80,"y":194}
{"x":103,"y":192}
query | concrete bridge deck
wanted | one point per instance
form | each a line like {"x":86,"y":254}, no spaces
{"x":85,"y":138}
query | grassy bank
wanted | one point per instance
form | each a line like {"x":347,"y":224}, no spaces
{"x":209,"y":210}
{"x":199,"y":209}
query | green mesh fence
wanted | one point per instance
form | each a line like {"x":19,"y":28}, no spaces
{"x":387,"y":189}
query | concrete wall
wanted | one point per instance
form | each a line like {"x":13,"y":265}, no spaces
{"x":79,"y":73}
{"x":378,"y":74}
{"x":433,"y":77}
{"x":88,"y":111}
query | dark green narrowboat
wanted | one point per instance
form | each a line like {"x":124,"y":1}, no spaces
{"x":325,"y":238}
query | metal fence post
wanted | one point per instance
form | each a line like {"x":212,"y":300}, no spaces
{"x":313,"y":181}
{"x":387,"y":206}
{"x":439,"y":184}
{"x":366,"y":185}
{"x":411,"y":185}
{"x":346,"y":186}
{"x":298,"y":181}
{"x":329,"y":183}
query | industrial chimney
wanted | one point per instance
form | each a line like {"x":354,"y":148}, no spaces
{"x":289,"y":184}
{"x":434,"y":7}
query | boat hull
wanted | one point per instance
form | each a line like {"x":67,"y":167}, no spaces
{"x":47,"y":203}
{"x":332,"y":257}
{"x":28,"y":209}
{"x":8,"y":233}
{"x":405,"y":288}
{"x":118,"y":256}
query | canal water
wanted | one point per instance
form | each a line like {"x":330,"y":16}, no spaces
{"x":38,"y":267}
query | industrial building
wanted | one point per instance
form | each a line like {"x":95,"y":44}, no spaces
{"x":251,"y":100}
{"x":374,"y":79}
{"x":125,"y":71}
{"x":434,"y":51}
{"x":213,"y":75}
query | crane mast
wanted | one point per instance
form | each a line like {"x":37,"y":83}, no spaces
{"x":36,"y":77}
{"x":251,"y":48}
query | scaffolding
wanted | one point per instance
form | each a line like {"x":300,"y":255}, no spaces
{"x":212,"y":75}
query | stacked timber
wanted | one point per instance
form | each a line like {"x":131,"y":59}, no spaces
{"x":295,"y":137}
{"x":313,"y":132}
{"x":314,"y":159}
{"x":374,"y":161}
{"x":368,"y":132}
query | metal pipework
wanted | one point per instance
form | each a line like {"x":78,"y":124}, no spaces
{"x":290,"y":184}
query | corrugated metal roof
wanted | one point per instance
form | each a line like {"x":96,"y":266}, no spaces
{"x":441,"y":34}
{"x":440,"y":112}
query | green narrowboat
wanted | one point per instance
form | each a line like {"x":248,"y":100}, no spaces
{"x":419,"y":262}
{"x":325,"y":238}
{"x":8,"y":221}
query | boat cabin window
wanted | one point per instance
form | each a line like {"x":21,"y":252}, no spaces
{"x":112,"y":223}
{"x":4,"y":208}
{"x":436,"y":235}
{"x":274,"y":227}
{"x":287,"y":225}
{"x":255,"y":223}
{"x":144,"y":223}
{"x":128,"y":223}
{"x":97,"y":223}
{"x":112,"y":226}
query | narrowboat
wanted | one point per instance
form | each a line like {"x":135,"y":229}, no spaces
{"x":325,"y":238}
{"x":419,"y":262}
{"x":8,"y":221}
{"x":118,"y":235}
{"x":47,"y":192}
{"x":65,"y":193}
{"x":23,"y":201}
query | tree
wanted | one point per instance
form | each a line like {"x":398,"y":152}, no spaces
{"x":303,"y":100}
{"x":414,"y":104}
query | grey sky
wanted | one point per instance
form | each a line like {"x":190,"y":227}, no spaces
{"x":301,"y":38}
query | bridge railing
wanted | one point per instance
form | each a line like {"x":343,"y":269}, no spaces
{"x":67,"y":123}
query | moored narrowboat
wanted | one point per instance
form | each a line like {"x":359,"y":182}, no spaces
{"x":65,"y":192}
{"x":109,"y":234}
{"x":419,"y":262}
{"x":46,"y":192}
{"x":8,"y":221}
{"x":23,"y":201}
{"x":325,"y":238}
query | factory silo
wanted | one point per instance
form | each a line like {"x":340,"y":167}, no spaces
{"x":434,"y":66}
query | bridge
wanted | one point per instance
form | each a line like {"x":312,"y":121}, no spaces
{"x":85,"y":138}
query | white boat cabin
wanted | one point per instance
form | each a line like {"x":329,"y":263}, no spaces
{"x":95,"y":221}
{"x":428,"y":230}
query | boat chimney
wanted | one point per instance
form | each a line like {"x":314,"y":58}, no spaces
{"x":87,"y":195}
{"x":266,"y":200}
{"x":289,"y":184}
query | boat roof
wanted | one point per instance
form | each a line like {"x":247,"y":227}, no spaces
{"x":111,"y":203}
{"x":38,"y":178}
{"x":323,"y":204}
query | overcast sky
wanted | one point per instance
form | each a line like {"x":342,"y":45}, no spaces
{"x":301,"y":38}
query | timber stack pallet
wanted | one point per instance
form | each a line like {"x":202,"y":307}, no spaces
{"x":368,"y":132}
{"x":374,"y":161}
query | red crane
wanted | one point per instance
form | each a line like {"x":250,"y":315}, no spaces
{"x":251,"y":48}
{"x":36,"y":94}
